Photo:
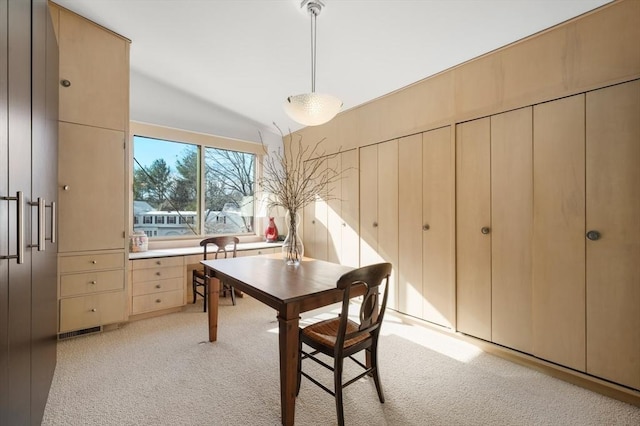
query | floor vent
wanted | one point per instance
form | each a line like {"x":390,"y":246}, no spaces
{"x":76,"y":333}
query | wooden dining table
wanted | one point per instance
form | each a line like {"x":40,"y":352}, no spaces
{"x":290,"y":290}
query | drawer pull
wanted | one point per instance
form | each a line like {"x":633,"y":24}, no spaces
{"x":158,"y":286}
{"x":94,"y":310}
{"x":158,"y":301}
{"x":158,"y":273}
{"x":94,"y":282}
{"x":158,"y":262}
{"x":95,"y":262}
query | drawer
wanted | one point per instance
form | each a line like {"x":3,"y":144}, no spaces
{"x":258,"y":251}
{"x":91,"y":282}
{"x":158,"y":286}
{"x":158,"y":301}
{"x":157,"y":262}
{"x":157,"y":273}
{"x":89,"y":311}
{"x":90,"y":262}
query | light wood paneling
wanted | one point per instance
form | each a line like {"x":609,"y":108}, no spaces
{"x":613,"y":209}
{"x":92,"y":163}
{"x":558,"y":232}
{"x":334,"y":213}
{"x":409,"y":275}
{"x":369,"y":205}
{"x":437,"y":242}
{"x":388,"y":209}
{"x":473,"y":201}
{"x":350,"y":209}
{"x":512,"y":219}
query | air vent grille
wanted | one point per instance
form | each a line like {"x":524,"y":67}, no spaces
{"x":76,"y":333}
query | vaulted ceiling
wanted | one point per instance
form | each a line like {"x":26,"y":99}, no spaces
{"x":225,"y":67}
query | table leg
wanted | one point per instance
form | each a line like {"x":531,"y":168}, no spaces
{"x":288,"y":365}
{"x":214,"y":296}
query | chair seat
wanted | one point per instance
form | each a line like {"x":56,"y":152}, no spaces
{"x":199,"y":273}
{"x":325,"y":332}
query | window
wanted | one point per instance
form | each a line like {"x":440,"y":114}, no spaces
{"x":191,"y":189}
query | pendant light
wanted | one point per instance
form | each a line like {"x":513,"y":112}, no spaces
{"x":312,"y":109}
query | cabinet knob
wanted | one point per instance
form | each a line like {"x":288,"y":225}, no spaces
{"x":375,"y":224}
{"x":485,"y":230}
{"x":593,"y":235}
{"x":94,"y":310}
{"x":94,"y":262}
{"x":65,"y":83}
{"x":158,"y":262}
{"x":313,"y":222}
{"x":425,"y":227}
{"x":344,"y":224}
{"x":94,"y":282}
{"x":158,"y":273}
{"x":158,"y":286}
{"x":158,"y":301}
{"x":66,"y":187}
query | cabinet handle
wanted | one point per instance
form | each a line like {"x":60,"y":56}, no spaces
{"x":19,"y":256}
{"x":52,"y":206}
{"x":95,"y":262}
{"x":40,"y":204}
{"x":158,"y":301}
{"x":65,"y":83}
{"x":158,"y":273}
{"x":344,"y":224}
{"x":593,"y":235}
{"x":66,"y":187}
{"x":313,"y":222}
{"x":94,"y":310}
{"x":375,"y":224}
{"x":158,"y":262}
{"x":94,"y":282}
{"x":485,"y":230}
{"x":425,"y":227}
{"x":158,"y":286}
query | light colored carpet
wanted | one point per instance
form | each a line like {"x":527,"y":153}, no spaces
{"x":161,"y":371}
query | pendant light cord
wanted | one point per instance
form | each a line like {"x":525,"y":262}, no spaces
{"x":313,"y":51}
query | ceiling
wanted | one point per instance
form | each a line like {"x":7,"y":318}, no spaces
{"x":225,"y":67}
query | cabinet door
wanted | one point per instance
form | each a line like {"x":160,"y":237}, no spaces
{"x":369,"y":205}
{"x":473,"y":202}
{"x":350,"y":207}
{"x":91,"y":188}
{"x":438,"y":222}
{"x":512,"y":223}
{"x":388,"y":212}
{"x":95,"y":62}
{"x":315,"y":222}
{"x":613,"y":209}
{"x":334,"y":213}
{"x":410,"y":232}
{"x":558,"y":232}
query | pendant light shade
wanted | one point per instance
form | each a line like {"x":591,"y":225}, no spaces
{"x":312,"y":109}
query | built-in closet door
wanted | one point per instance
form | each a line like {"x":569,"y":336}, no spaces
{"x":379,"y":209}
{"x":315,"y":219}
{"x":512,"y":226}
{"x":350,"y":241}
{"x":558,"y":231}
{"x":613,"y":211}
{"x":473,"y":217}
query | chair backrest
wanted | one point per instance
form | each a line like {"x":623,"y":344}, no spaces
{"x":221,"y":244}
{"x":367,"y":279}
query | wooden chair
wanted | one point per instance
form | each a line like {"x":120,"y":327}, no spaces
{"x":200,"y":279}
{"x":342,"y":337}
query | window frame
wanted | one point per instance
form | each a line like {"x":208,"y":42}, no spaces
{"x":201,"y":140}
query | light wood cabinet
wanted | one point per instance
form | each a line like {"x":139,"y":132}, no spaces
{"x":91,"y":290}
{"x":558,"y":261}
{"x":613,"y":210}
{"x":94,"y":73}
{"x":157,"y":284}
{"x":314,"y":223}
{"x":512,"y":227}
{"x":473,"y":217}
{"x":91,"y":186}
{"x":92,"y":166}
{"x":379,"y":209}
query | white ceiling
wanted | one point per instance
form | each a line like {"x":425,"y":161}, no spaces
{"x":225,"y":66}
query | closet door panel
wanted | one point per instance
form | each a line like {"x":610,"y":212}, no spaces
{"x":438,"y":217}
{"x":613,"y":209}
{"x":512,"y":218}
{"x":369,"y":205}
{"x":473,"y":201}
{"x":388,"y":211}
{"x":350,"y":206}
{"x":333,"y":242}
{"x":409,"y":275}
{"x":558,"y":232}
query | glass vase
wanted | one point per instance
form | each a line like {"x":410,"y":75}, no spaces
{"x":292,"y":247}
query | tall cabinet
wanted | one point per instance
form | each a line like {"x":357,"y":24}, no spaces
{"x":94,"y":116}
{"x":28,"y":134}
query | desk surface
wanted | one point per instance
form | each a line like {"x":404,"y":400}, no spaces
{"x":186,"y":251}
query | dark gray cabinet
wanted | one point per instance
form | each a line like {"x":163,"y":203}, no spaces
{"x":28,"y":171}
